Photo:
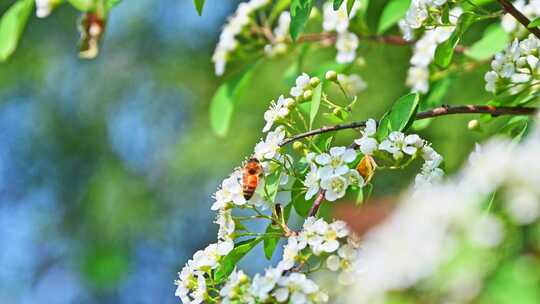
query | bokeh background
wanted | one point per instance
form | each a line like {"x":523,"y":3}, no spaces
{"x":107,"y":166}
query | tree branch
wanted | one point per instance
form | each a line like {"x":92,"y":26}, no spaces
{"x":511,"y":9}
{"x":439,"y":111}
{"x":317,"y":203}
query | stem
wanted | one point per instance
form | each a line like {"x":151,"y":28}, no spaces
{"x":439,"y":111}
{"x":511,"y":9}
{"x":317,"y":203}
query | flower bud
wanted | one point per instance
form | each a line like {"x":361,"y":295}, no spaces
{"x":289,"y":102}
{"x":331,"y":75}
{"x":298,"y":146}
{"x":314,"y":82}
{"x":308,"y":94}
{"x":300,"y":98}
{"x":473,"y":124}
{"x":366,"y":168}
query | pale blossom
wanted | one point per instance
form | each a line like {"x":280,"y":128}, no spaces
{"x":268,"y":148}
{"x":302,"y":83}
{"x":278,"y":110}
{"x":346,"y":45}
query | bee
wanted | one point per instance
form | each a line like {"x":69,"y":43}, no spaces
{"x":250,"y":177}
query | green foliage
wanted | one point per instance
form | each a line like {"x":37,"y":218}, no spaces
{"x":534,"y":23}
{"x":199,"y":5}
{"x":315,"y":104}
{"x":12,"y":26}
{"x":494,"y":40}
{"x":85,"y":5}
{"x":301,"y":206}
{"x":400,"y":116}
{"x":337,"y":4}
{"x":300,"y":10}
{"x":270,"y":243}
{"x":226,"y":266}
{"x":222,"y":104}
{"x":445,"y":51}
{"x":392,"y":13}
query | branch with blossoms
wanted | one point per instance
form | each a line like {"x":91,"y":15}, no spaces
{"x":280,"y":182}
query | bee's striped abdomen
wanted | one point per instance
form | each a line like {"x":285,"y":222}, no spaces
{"x":250,"y":184}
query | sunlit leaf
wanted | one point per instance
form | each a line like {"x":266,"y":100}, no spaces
{"x":229,"y":261}
{"x":493,"y":41}
{"x":534,"y":23}
{"x":445,"y":50}
{"x":392,"y":13}
{"x":83,"y":5}
{"x":300,"y":10}
{"x":301,"y":206}
{"x":270,"y":242}
{"x":199,"y":5}
{"x":12,"y":26}
{"x":315,"y":104}
{"x":400,"y":116}
{"x":222,"y":104}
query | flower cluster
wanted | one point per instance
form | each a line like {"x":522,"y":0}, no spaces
{"x":338,"y":21}
{"x":192,"y":285}
{"x":399,"y":145}
{"x":228,"y":37}
{"x":280,"y":109}
{"x":515,"y":67}
{"x":424,"y":52}
{"x":445,"y":212}
{"x":419,"y":14}
{"x":332,"y":241}
{"x":330,"y":172}
{"x":278,"y":44}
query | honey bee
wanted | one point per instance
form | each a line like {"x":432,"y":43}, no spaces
{"x":250,"y":177}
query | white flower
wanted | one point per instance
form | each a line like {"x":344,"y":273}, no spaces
{"x":302,"y":82}
{"x":335,"y":186}
{"x":352,"y":84}
{"x":367,"y":143}
{"x":226,"y":224}
{"x":416,"y":14}
{"x":262,"y":285}
{"x":397,"y":142}
{"x":491,"y":78}
{"x":346,"y":45}
{"x":335,"y":162}
{"x":227,"y":39}
{"x":354,"y":178}
{"x":276,"y":111}
{"x":418,"y":79}
{"x":268,"y":148}
{"x":312,"y":182}
{"x":208,"y":257}
{"x":290,"y":252}
{"x":298,"y":288}
{"x":337,"y":20}
{"x":232,"y":291}
{"x":281,"y":33}
{"x":44,"y":8}
{"x":186,"y":290}
{"x":230,"y":192}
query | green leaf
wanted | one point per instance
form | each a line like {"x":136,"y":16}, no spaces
{"x":82,"y":5}
{"x":315,"y":104}
{"x":392,"y":13}
{"x":534,"y":23}
{"x":12,"y":26}
{"x":337,"y":4}
{"x":300,"y":10}
{"x":199,"y":5}
{"x":434,"y":99}
{"x":112,"y":3}
{"x":298,"y":199}
{"x":363,"y":194}
{"x":270,"y":242}
{"x":383,"y":127}
{"x":350,"y":4}
{"x":493,"y":41}
{"x":403,"y":112}
{"x":229,"y":261}
{"x":222,"y":104}
{"x":445,"y":50}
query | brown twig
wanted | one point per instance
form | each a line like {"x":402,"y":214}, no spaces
{"x":317,"y":203}
{"x":439,"y":111}
{"x":511,"y":9}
